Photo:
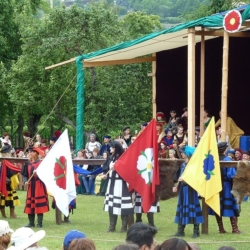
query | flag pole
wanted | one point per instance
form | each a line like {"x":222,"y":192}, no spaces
{"x":108,"y":172}
{"x":28,"y":181}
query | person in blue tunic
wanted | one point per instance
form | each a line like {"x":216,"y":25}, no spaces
{"x":188,"y":208}
{"x":228,"y":206}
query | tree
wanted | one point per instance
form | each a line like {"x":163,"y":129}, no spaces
{"x":212,"y":7}
{"x":62,"y":34}
{"x":139,"y":23}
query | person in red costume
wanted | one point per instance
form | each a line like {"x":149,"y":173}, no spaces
{"x":37,"y":197}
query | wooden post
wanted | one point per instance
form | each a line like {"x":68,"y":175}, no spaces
{"x":154,"y":86}
{"x":191,"y":87}
{"x":224,"y":87}
{"x":202,"y":85}
{"x":58,"y":216}
{"x":204,"y":226}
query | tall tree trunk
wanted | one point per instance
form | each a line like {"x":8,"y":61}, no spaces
{"x":33,"y":124}
{"x":20,"y":124}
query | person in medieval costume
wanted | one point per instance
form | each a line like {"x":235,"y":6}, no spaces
{"x":233,"y":131}
{"x":188,"y":208}
{"x":37,"y":197}
{"x":72,"y":204}
{"x":8,"y":184}
{"x":28,"y":141}
{"x":155,"y":208}
{"x":118,"y":200}
{"x":160,"y":117}
{"x":228,"y":205}
{"x":126,"y":136}
{"x":6,"y":147}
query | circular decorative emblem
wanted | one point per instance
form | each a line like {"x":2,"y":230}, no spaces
{"x":145,"y":165}
{"x":232,"y":21}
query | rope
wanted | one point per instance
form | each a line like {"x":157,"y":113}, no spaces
{"x":56,"y":104}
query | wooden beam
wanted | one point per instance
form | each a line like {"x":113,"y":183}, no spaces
{"x":154,"y":86}
{"x":61,"y":63}
{"x":221,"y":33}
{"x":202,"y":85}
{"x":101,"y":161}
{"x":191,"y":87}
{"x":246,"y":24}
{"x":224,"y":87}
{"x":118,"y":62}
{"x":104,"y":63}
{"x":151,"y":74}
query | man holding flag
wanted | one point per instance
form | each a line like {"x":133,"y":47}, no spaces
{"x":37,"y":197}
{"x":202,"y":172}
{"x":188,"y":208}
{"x":56,"y":172}
{"x":138,"y":166}
{"x":228,"y":205}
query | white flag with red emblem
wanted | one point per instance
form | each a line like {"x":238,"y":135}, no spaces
{"x":56,"y":171}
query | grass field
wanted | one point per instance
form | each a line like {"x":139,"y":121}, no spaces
{"x":90,"y":218}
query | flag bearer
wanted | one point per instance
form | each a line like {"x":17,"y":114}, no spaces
{"x":117,"y":199}
{"x":228,"y":205}
{"x":188,"y":208}
{"x":37,"y":197}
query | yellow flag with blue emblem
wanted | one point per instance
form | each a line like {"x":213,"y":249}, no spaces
{"x":202,"y":172}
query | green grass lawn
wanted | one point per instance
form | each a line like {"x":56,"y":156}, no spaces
{"x":90,"y":218}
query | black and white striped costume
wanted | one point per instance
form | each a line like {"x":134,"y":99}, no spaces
{"x":117,"y":198}
{"x":155,"y":208}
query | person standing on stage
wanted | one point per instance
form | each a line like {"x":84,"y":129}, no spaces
{"x":37,"y":197}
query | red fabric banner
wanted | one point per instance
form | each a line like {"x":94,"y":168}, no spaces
{"x":6,"y":164}
{"x":139,"y":165}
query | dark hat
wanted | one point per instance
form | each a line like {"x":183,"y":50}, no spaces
{"x":246,"y":152}
{"x":222,"y":146}
{"x":71,"y":235}
{"x":145,"y":124}
{"x":53,"y":138}
{"x":107,"y":136}
{"x":168,"y":130}
{"x":127,"y":127}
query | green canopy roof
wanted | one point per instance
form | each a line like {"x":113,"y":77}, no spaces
{"x":171,"y":38}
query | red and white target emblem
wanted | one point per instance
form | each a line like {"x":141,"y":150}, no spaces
{"x":232,"y":21}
